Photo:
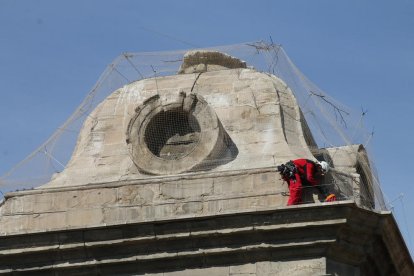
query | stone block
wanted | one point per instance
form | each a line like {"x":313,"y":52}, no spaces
{"x":189,"y":208}
{"x":243,"y":269}
{"x":265,"y":137}
{"x":245,"y":97}
{"x":116,"y":136}
{"x":268,"y":183}
{"x":238,"y":184}
{"x":14,"y":205}
{"x":217,"y":78}
{"x":41,"y":202}
{"x":221,"y":100}
{"x":265,"y":123}
{"x":265,"y":95}
{"x":15,"y":224}
{"x":83,"y":160}
{"x":269,"y":109}
{"x":158,"y":212}
{"x":271,"y":201}
{"x":66,"y":200}
{"x":185,"y":81}
{"x":47,"y":221}
{"x":242,"y":86}
{"x":294,"y":268}
{"x":211,"y":207}
{"x":194,"y":188}
{"x":106,"y":122}
{"x":245,"y":112}
{"x":84,"y":217}
{"x":97,"y":198}
{"x":137,"y":194}
{"x":169,"y":96}
{"x":107,"y":108}
{"x":115,"y":149}
{"x":237,"y":204}
{"x":121,"y":215}
{"x":103,"y":161}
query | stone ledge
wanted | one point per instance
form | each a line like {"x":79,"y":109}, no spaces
{"x":161,"y":257}
{"x":163,"y":237}
{"x":152,"y":180}
{"x":312,"y":231}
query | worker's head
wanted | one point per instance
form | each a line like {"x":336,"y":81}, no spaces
{"x":324,"y":167}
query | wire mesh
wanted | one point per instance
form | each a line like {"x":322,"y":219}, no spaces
{"x":331,"y":123}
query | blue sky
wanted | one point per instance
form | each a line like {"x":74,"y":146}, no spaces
{"x":360,"y":52}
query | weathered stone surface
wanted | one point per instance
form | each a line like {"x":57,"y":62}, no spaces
{"x":296,"y":268}
{"x":139,"y":201}
{"x":244,"y":269}
{"x":200,"y":61}
{"x":317,"y":240}
{"x":255,"y":110}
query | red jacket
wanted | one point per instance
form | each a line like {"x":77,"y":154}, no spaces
{"x":306,"y":170}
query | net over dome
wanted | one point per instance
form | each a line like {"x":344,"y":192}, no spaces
{"x":222,"y":109}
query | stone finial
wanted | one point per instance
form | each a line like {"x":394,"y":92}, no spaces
{"x":203,"y":61}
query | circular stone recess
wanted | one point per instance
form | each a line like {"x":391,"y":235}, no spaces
{"x":172,"y":134}
{"x":175,"y":137}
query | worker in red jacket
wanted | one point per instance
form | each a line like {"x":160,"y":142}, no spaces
{"x":306,"y":172}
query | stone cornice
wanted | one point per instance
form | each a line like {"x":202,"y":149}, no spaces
{"x":340,"y":231}
{"x":154,"y":179}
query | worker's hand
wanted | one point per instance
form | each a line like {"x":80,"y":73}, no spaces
{"x":330,"y":198}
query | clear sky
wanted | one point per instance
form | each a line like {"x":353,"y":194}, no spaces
{"x":360,"y":52}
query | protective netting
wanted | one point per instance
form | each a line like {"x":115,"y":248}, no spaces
{"x":336,"y":129}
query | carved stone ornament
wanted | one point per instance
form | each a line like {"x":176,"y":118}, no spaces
{"x":174,"y":137}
